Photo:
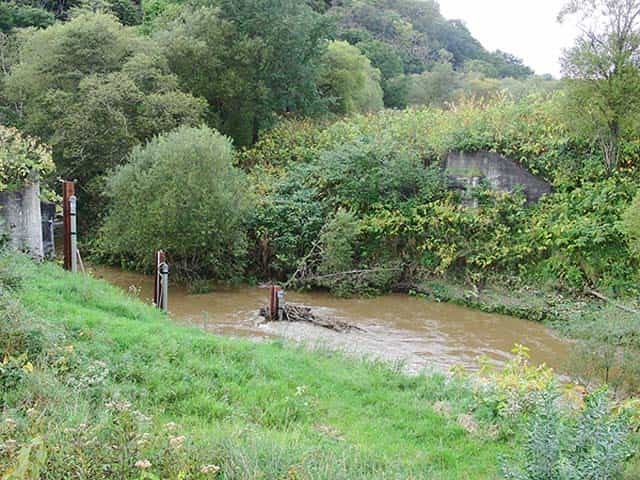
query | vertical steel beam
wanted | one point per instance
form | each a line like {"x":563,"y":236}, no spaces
{"x":157,"y":286}
{"x":73,"y":234}
{"x":164,"y":280}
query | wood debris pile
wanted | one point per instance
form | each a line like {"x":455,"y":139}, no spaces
{"x":300,"y":313}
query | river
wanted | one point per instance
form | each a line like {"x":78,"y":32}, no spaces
{"x":412,"y":331}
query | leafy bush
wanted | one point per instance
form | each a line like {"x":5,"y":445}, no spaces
{"x":631,"y":222}
{"x":510,"y":393}
{"x":180,"y":193}
{"x":338,"y":239}
{"x":21,"y":158}
{"x":392,"y":185}
{"x":358,"y":177}
{"x":579,"y":239}
{"x":593,"y":444}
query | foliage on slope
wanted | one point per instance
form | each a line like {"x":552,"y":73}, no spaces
{"x":373,"y":166}
{"x":21,"y":158}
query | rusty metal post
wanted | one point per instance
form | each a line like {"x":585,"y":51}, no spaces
{"x":68,"y":191}
{"x":273,"y":302}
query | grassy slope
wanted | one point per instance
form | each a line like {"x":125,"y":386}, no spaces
{"x":263,"y":410}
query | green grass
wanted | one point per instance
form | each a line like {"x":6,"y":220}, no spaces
{"x":258,"y":410}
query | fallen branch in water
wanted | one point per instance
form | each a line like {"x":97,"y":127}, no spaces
{"x":411,"y":288}
{"x":608,"y":300}
{"x":300,"y":313}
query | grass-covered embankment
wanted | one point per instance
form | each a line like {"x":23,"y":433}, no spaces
{"x":81,"y":359}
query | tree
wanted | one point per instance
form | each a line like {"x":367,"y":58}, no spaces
{"x":16,"y":15}
{"x":350,"y":81}
{"x":21,"y":159}
{"x":602,"y":70}
{"x":9,"y":111}
{"x":213,"y":61}
{"x":288,"y":39}
{"x":509,"y":66}
{"x":180,"y":193}
{"x":128,"y":12}
{"x":386,"y":59}
{"x":433,"y":88}
{"x":92,"y":89}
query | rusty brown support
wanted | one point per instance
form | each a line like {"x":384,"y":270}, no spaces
{"x":161,"y":258}
{"x":68,"y":190}
{"x":273,"y":302}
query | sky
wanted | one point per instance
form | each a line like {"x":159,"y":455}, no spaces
{"x":525,"y":28}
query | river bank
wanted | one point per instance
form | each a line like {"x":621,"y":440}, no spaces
{"x":89,"y":361}
{"x":95,"y":381}
{"x":525,"y":302}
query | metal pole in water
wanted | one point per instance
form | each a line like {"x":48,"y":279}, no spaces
{"x":73,"y":232}
{"x":273,"y":303}
{"x":280,"y":294}
{"x":164,"y":281}
{"x":157,"y":286}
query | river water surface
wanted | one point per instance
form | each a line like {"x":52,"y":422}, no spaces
{"x":397,"y":327}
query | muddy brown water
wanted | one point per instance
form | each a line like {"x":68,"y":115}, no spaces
{"x":415,"y":332}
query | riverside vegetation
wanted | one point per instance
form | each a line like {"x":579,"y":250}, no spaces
{"x":95,"y":384}
{"x":309,"y":151}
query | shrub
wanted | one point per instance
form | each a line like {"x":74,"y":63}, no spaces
{"x":578,"y":236}
{"x":594,"y":444}
{"x":180,"y":193}
{"x":337,"y":239}
{"x":357,"y":177}
{"x":21,"y":157}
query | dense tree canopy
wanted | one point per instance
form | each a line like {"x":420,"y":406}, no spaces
{"x":93,"y":89}
{"x":20,"y":15}
{"x":249,"y":67}
{"x":349,"y":81}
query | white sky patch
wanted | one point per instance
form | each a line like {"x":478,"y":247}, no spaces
{"x":526,"y":28}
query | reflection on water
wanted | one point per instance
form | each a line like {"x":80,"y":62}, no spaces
{"x":397,"y":327}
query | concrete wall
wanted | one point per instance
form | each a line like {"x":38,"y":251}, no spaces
{"x":499,"y":172}
{"x":21,"y":219}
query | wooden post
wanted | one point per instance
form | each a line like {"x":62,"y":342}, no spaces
{"x":161,"y":285}
{"x":68,"y":191}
